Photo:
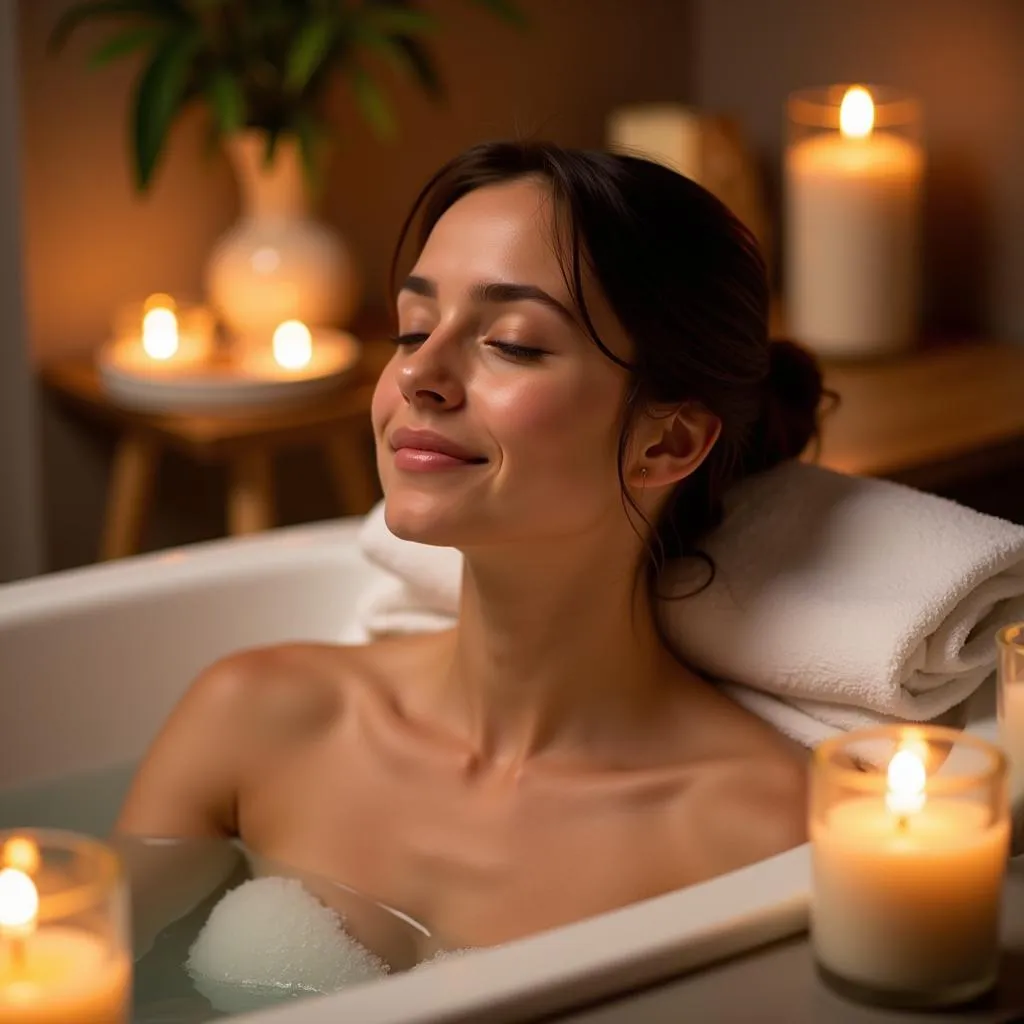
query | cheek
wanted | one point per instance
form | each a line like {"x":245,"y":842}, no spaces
{"x":558,"y":420}
{"x":386,"y":399}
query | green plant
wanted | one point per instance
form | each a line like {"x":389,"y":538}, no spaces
{"x":261,"y":64}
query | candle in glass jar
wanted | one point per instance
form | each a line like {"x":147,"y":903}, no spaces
{"x":853,"y":199}
{"x":907,"y":885}
{"x":54,"y":972}
{"x":1010,"y":649}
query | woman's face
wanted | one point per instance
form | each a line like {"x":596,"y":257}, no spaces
{"x":497,"y":419}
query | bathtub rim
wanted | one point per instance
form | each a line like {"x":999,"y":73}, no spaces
{"x":541,"y":974}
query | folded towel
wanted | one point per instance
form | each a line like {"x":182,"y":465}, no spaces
{"x":838,"y":602}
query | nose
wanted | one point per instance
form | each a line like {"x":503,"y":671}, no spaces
{"x":428,"y":377}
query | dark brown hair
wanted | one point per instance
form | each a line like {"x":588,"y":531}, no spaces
{"x":688,"y":283}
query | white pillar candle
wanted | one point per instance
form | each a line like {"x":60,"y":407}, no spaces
{"x":667,"y":133}
{"x":852,"y":228}
{"x":908,"y":879}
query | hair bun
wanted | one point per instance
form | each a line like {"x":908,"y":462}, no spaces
{"x":789,"y":414}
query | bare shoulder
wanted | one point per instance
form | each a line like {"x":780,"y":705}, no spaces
{"x":238,"y":715}
{"x":752,"y":807}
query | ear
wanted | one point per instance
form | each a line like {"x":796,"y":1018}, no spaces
{"x":670,"y":444}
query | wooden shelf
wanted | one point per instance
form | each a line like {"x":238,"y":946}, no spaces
{"x":926,"y":415}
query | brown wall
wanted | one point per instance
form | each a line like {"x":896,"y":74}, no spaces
{"x":91,"y":244}
{"x":963,"y":58}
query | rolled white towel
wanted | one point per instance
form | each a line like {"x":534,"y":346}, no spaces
{"x":838,"y":601}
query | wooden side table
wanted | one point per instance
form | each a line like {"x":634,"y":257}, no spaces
{"x":245,"y":441}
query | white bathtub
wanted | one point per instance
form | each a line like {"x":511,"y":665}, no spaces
{"x":92,"y":660}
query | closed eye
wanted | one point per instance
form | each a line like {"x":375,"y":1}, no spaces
{"x":522,"y":353}
{"x":409,"y":339}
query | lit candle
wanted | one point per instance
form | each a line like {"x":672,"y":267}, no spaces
{"x":908,"y":867}
{"x":1010,"y":648}
{"x":292,"y":345}
{"x":56,"y":965}
{"x":853,"y":196}
{"x":158,"y":339}
{"x":160,"y":328}
{"x":298,"y":355}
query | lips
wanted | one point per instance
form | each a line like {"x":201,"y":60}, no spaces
{"x":429,"y":448}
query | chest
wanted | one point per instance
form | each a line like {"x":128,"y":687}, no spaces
{"x":477,"y":863}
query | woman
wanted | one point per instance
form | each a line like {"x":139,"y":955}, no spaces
{"x":581,"y":370}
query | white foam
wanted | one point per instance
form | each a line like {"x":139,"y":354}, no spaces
{"x":272,"y":935}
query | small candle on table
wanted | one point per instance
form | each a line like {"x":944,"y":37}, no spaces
{"x":292,"y":345}
{"x":852,"y":248}
{"x":159,"y":339}
{"x":907,"y":884}
{"x":53,"y":973}
{"x":298,"y":353}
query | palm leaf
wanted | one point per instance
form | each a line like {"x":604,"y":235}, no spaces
{"x":373,"y":104}
{"x":399,"y":20}
{"x":307,"y":53}
{"x":405,"y":54}
{"x":506,"y":10}
{"x":421,"y":65}
{"x":69,"y":21}
{"x":159,"y":97}
{"x":227,"y":100}
{"x":309,"y":135}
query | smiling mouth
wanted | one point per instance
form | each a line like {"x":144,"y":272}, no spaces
{"x":409,"y":457}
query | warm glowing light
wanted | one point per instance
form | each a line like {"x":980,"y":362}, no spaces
{"x":906,"y":778}
{"x":857,"y":113}
{"x":293,"y":345}
{"x":160,"y":300}
{"x":159,"y":332}
{"x":21,"y":853}
{"x":19,"y":900}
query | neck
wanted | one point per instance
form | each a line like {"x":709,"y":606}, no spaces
{"x":555,"y":647}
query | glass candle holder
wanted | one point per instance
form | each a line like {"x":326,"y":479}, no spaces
{"x":65,"y":952}
{"x":1010,"y":690}
{"x":909,"y":829}
{"x":854,"y":166}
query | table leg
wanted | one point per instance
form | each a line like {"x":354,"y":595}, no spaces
{"x":354,"y":471}
{"x":250,"y":494}
{"x":129,"y":496}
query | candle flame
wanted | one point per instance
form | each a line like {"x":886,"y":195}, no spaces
{"x":906,"y":782}
{"x":19,"y":900}
{"x":21,"y":853}
{"x":857,"y":113}
{"x":293,"y":345}
{"x":160,"y":332}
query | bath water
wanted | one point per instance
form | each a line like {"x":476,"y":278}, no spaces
{"x":164,"y":992}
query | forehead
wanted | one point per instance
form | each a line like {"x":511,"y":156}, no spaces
{"x":504,"y":232}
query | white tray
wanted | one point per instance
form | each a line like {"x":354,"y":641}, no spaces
{"x":226,"y":386}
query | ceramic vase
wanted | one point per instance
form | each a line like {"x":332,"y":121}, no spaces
{"x":277,"y":262}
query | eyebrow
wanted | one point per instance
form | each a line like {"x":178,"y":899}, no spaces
{"x":495,"y":292}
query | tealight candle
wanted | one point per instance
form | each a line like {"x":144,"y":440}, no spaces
{"x":853,"y":174}
{"x":298,"y":353}
{"x":1010,"y":646}
{"x":910,"y":838}
{"x":159,"y":337}
{"x":64,"y":950}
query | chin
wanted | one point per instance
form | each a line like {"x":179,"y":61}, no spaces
{"x":426,"y":518}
